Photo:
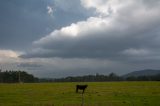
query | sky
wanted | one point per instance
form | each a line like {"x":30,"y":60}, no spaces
{"x":59,"y":38}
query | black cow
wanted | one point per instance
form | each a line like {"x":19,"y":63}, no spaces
{"x":81,"y":87}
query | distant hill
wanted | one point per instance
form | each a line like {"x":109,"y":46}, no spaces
{"x":146,"y":72}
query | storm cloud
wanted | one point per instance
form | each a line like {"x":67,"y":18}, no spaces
{"x":120,"y":29}
{"x":55,"y":38}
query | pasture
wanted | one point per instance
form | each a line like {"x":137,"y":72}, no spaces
{"x":97,"y":94}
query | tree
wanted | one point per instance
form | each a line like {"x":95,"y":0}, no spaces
{"x":16,"y":76}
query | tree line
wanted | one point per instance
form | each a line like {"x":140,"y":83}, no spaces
{"x":110,"y":77}
{"x":90,"y":78}
{"x":22,"y":76}
{"x":10,"y":76}
{"x":144,"y":78}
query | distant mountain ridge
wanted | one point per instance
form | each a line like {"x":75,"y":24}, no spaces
{"x":146,"y":72}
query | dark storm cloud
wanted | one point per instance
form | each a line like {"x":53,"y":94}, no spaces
{"x":80,"y":37}
{"x":129,"y":33}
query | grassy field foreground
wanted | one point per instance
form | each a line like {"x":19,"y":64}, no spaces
{"x":97,"y":94}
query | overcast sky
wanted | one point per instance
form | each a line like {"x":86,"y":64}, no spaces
{"x":58,"y":38}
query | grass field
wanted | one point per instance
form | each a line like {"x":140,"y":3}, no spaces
{"x":97,"y":94}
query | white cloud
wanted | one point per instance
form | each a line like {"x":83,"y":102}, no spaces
{"x":107,"y":7}
{"x":137,"y":52}
{"x":50,"y":10}
{"x":9,"y":54}
{"x":9,"y":59}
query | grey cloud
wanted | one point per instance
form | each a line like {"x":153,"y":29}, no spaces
{"x":124,"y":30}
{"x":30,"y":65}
{"x":126,"y":40}
{"x":118,"y":37}
{"x":151,"y":3}
{"x":58,"y":67}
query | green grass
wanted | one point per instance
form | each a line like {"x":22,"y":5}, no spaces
{"x":97,"y":94}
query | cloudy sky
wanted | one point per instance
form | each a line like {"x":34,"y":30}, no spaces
{"x":58,"y":38}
